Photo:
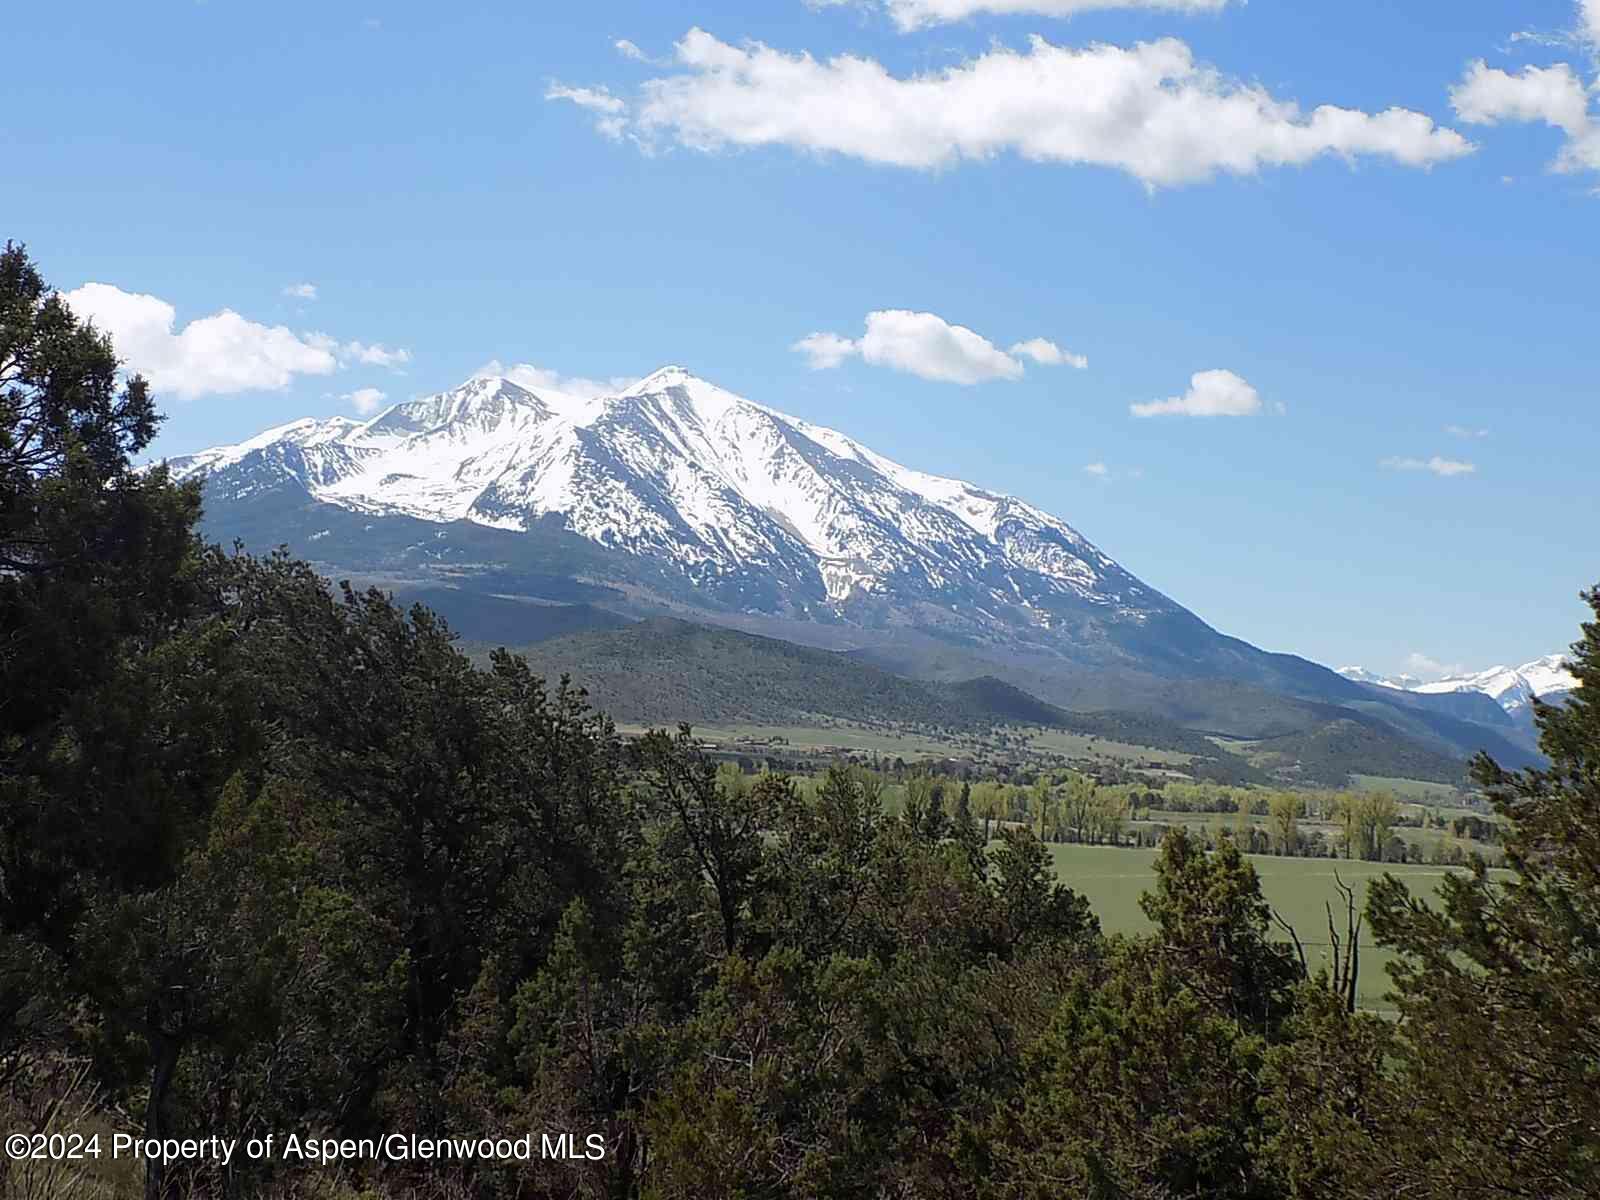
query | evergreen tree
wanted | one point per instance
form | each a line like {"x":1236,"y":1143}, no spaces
{"x":1498,"y":987}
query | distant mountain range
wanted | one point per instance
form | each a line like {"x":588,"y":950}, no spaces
{"x":1513,"y":688}
{"x":677,"y":498}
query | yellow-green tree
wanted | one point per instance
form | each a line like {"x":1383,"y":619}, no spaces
{"x":1284,"y":811}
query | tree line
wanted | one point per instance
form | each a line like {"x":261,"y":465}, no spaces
{"x":276,"y":856}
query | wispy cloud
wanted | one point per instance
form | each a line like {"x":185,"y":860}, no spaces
{"x":1465,"y":431}
{"x":632,"y":52}
{"x":909,"y":15}
{"x":360,"y":353}
{"x":1437,"y":465}
{"x":608,"y":110}
{"x":365,"y":401}
{"x":543,"y":379}
{"x":301,"y":291}
{"x":1431,"y":669}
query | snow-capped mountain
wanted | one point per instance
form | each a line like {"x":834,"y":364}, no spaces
{"x":1399,"y":683}
{"x":1513,"y":688}
{"x":699,"y":480}
{"x":676,"y":497}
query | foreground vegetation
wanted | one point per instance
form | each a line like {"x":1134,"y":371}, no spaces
{"x":278,"y":860}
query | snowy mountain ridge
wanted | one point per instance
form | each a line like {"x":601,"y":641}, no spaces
{"x":1513,"y":688}
{"x":678,"y":469}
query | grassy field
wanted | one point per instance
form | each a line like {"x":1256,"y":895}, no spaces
{"x":757,"y":738}
{"x":912,"y":744}
{"x":1417,"y":791}
{"x":1078,"y":745}
{"x":1297,"y":888}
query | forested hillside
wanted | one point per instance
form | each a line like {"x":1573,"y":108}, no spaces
{"x":276,"y":859}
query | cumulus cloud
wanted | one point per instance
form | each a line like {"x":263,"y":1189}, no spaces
{"x":909,"y":15}
{"x":1553,"y":96}
{"x":1048,"y":354}
{"x":216,"y":355}
{"x":1211,"y":394}
{"x":1438,"y":465}
{"x":928,"y":346}
{"x":365,"y":401}
{"x":542,"y":379}
{"x":826,"y":350}
{"x":1556,"y":96}
{"x":301,"y":291}
{"x":1149,"y":110}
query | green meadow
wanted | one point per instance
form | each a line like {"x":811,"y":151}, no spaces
{"x":1297,"y":888}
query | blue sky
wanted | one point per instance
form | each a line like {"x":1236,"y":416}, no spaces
{"x":466,"y":183}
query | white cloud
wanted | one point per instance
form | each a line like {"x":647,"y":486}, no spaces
{"x":826,"y":350}
{"x":928,"y":346}
{"x":1465,"y":431}
{"x":365,"y":401}
{"x":1554,"y":96}
{"x":376,"y":356}
{"x":359,"y":353}
{"x":598,"y":100}
{"x":1443,"y":467}
{"x":301,"y":291}
{"x":216,"y":355}
{"x":542,"y":379}
{"x":1098,"y":469}
{"x":633,"y":52}
{"x":1048,"y":354}
{"x":1150,"y":110}
{"x":608,"y":110}
{"x":918,"y":14}
{"x":1589,"y":21}
{"x":1431,"y":669}
{"x":1210,"y":394}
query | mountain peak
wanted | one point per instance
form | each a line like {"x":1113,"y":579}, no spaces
{"x":663,"y":378}
{"x":753,"y":508}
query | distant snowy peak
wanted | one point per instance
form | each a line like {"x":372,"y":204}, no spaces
{"x":1513,"y":688}
{"x":677,"y":468}
{"x":1548,"y":675}
{"x":1401,"y":683}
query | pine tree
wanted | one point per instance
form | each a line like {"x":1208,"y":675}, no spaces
{"x":1499,"y":986}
